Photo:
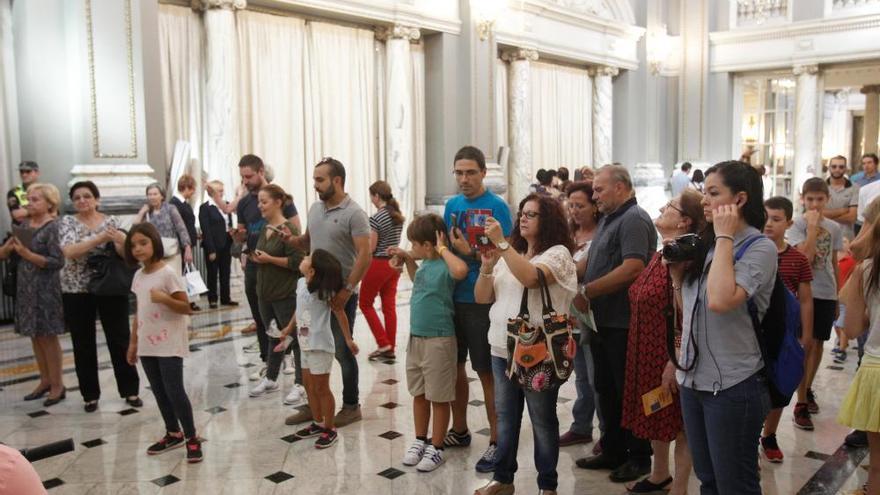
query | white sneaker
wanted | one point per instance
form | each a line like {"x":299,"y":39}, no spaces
{"x":287,"y":365}
{"x":432,"y":459}
{"x":296,"y":396}
{"x":266,"y":386}
{"x":252,"y":348}
{"x":414,"y":453}
{"x":259,"y":374}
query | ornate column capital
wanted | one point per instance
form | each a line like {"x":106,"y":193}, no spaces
{"x":805,"y":69}
{"x":202,"y":5}
{"x":870,"y":89}
{"x":603,"y":70}
{"x":398,"y":32}
{"x":513,"y":54}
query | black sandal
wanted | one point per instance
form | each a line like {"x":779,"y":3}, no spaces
{"x":646,"y":486}
{"x":37,"y":394}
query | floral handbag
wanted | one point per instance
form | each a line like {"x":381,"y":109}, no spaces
{"x":540,"y":358}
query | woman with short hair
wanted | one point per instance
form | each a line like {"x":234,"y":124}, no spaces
{"x":168,"y":222}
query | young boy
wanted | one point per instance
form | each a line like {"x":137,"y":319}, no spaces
{"x":432,"y":352}
{"x":794,"y":269}
{"x":819,"y":239}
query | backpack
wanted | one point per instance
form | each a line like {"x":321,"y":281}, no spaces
{"x":778,"y":333}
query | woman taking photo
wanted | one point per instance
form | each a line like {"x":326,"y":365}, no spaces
{"x":723,"y":389}
{"x":540,"y":240}
{"x":169,"y":223}
{"x":381,"y":279}
{"x":647,"y":360}
{"x":583,"y":215}
{"x":85,"y":233}
{"x":38,"y":307}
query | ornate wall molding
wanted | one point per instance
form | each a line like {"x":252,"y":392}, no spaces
{"x":398,"y":31}
{"x":794,"y":30}
{"x":93,"y":93}
{"x":603,"y":70}
{"x":759,"y":11}
{"x":218,"y":4}
{"x":805,"y":69}
{"x":512,"y":54}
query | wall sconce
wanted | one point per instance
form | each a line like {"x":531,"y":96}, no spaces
{"x":485,"y":13}
{"x":657,"y":46}
{"x":750,"y":129}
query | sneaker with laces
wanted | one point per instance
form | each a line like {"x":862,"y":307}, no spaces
{"x":310,"y":431}
{"x":802,"y":417}
{"x":296,"y":396}
{"x":840,"y":357}
{"x":266,"y":386}
{"x":455,"y":439}
{"x":194,"y":450}
{"x":327,"y":438}
{"x":486,"y":464}
{"x":414,"y":453}
{"x":252,"y":348}
{"x":811,"y":402}
{"x":259,"y":374}
{"x":771,"y":449}
{"x":431,"y":460}
{"x":168,"y":442}
{"x":287,"y":365}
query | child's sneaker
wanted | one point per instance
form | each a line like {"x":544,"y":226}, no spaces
{"x":811,"y":402}
{"x":310,"y":431}
{"x":802,"y":417}
{"x":840,"y":357}
{"x":414,"y":453}
{"x":287,"y":365}
{"x":455,"y":439}
{"x":326,"y":439}
{"x":193,"y":450}
{"x":259,"y":374}
{"x":296,"y":396}
{"x":266,"y":386}
{"x":771,"y":449}
{"x":431,"y":460}
{"x":167,"y":443}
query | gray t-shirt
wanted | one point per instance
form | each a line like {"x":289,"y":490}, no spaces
{"x":845,"y":197}
{"x":828,"y":241}
{"x":626,"y":233}
{"x":334,"y":230}
{"x":728,"y":347}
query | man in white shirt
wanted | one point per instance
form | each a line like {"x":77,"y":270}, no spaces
{"x":680,"y":179}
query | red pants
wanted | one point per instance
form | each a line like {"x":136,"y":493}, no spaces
{"x":381,"y":279}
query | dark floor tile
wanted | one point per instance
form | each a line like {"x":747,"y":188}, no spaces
{"x":472,"y":379}
{"x":391,"y":435}
{"x":279,"y":476}
{"x":390,"y":381}
{"x":562,"y":400}
{"x":389,"y":361}
{"x":69,"y":389}
{"x":833,"y":474}
{"x":37,"y":414}
{"x":247,"y":365}
{"x":389,"y":405}
{"x":391,"y":473}
{"x":476,"y":402}
{"x":291,"y":438}
{"x":232,"y":385}
{"x":484,"y":431}
{"x":93,"y":443}
{"x":836,"y":368}
{"x":126,"y":412}
{"x":166,"y":480}
{"x":816,"y":455}
{"x":52,"y":483}
{"x":216,"y":410}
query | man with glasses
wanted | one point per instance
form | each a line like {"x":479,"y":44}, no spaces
{"x":468,"y":209}
{"x":844,"y":198}
{"x":16,"y":198}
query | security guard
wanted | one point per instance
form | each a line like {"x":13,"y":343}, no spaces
{"x":16,"y":199}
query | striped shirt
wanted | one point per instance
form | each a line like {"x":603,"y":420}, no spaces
{"x":794,"y":268}
{"x":389,"y":232}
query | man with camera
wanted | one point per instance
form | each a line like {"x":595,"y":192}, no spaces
{"x":623,"y":244}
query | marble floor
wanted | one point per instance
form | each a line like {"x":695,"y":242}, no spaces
{"x":249,"y":450}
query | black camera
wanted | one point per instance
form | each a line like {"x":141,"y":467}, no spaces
{"x":683,"y":248}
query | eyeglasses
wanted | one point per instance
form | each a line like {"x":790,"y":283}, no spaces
{"x":465,"y":173}
{"x":531,"y":215}
{"x":670,"y":205}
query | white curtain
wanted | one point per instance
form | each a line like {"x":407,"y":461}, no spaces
{"x":182,"y":55}
{"x":341,"y":118}
{"x":8,"y":113}
{"x":419,"y":136}
{"x":501,"y":103}
{"x":271,"y":98}
{"x":561,"y":116}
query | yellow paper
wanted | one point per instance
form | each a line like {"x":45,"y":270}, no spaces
{"x":656,"y":400}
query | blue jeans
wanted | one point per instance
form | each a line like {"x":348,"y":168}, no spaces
{"x":722,"y":431}
{"x":585,"y":405}
{"x":509,"y":399}
{"x":343,"y":354}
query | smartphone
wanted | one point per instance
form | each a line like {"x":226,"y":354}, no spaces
{"x":453,"y":219}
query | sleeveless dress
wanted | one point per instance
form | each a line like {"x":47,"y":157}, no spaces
{"x":646,"y":355}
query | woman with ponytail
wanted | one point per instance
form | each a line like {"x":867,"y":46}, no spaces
{"x":381,"y":279}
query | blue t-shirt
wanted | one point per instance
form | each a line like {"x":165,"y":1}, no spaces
{"x":431,"y":307}
{"x":861,"y":180}
{"x":461,"y":206}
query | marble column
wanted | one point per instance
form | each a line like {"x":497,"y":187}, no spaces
{"x":806,"y":137}
{"x":399,"y":127}
{"x":603,"y":114}
{"x":872,"y":117}
{"x":520,"y":121}
{"x":221,"y":89}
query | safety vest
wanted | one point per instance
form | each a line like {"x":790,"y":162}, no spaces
{"x":20,"y":194}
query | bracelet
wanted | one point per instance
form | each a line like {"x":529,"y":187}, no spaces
{"x":724,"y":236}
{"x":486,"y":274}
{"x":441,"y":249}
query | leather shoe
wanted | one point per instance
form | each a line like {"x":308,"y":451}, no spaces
{"x":629,"y":471}
{"x":600,"y":461}
{"x":495,"y":488}
{"x":91,"y":406}
{"x":37,"y":394}
{"x":229,"y":303}
{"x":212,"y":305}
{"x":52,"y":401}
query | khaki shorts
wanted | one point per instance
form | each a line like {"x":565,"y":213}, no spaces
{"x":431,"y":367}
{"x":317,"y":362}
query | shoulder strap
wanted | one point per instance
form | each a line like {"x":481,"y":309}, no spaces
{"x":524,"y":305}
{"x":745,"y":246}
{"x":546,"y":303}
{"x":750,"y":303}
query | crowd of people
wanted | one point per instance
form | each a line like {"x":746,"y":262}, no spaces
{"x":663,"y":322}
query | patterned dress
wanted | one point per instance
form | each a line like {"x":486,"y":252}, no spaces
{"x":38,"y":308}
{"x":646,"y":355}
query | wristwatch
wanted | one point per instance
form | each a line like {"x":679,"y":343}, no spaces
{"x":503,"y":245}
